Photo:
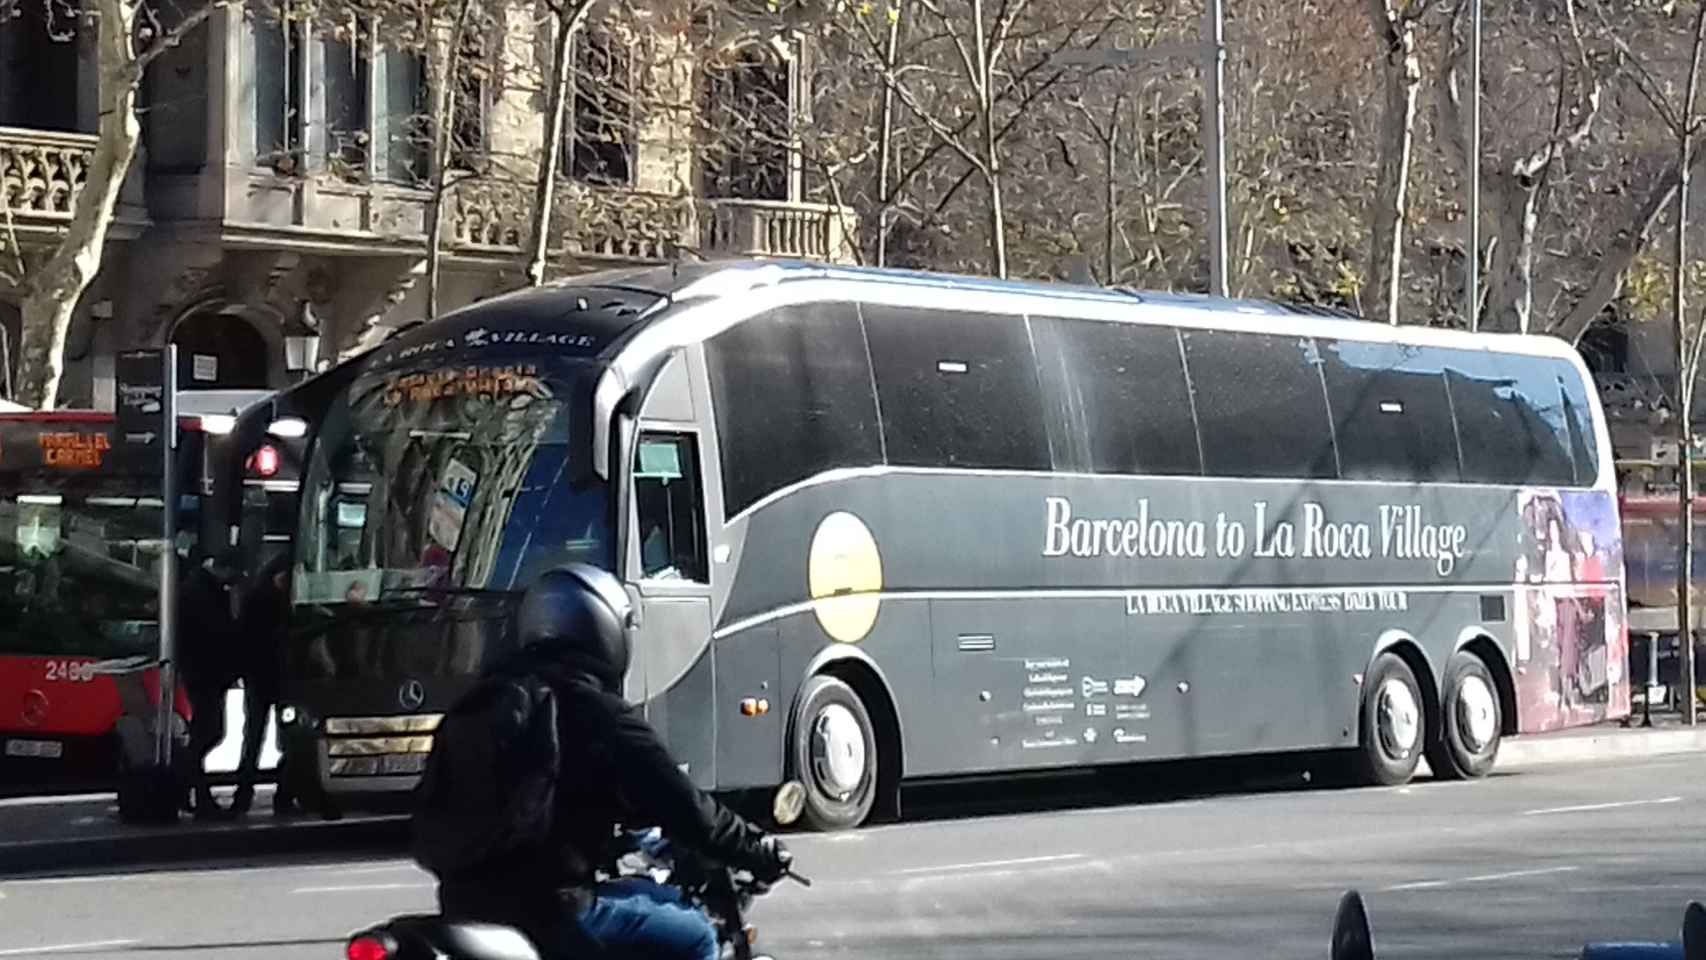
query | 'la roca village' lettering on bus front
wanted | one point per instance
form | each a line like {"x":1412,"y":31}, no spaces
{"x":1400,"y":532}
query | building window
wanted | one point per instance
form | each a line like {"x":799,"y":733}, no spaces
{"x":347,"y":81}
{"x":746,"y":106}
{"x":334,"y":99}
{"x":40,"y":67}
{"x":600,"y":147}
{"x":470,"y":144}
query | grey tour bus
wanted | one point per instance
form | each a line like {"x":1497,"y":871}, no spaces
{"x":885,"y":526}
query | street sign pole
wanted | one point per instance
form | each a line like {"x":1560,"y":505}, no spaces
{"x":1472,"y":288}
{"x":169,"y":558}
{"x":1214,"y":139}
{"x":146,"y":425}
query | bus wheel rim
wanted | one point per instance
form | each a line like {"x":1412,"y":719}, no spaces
{"x":1477,"y":713}
{"x":1399,"y":719}
{"x":838,"y":750}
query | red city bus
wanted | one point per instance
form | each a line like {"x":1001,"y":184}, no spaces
{"x":81,"y":542}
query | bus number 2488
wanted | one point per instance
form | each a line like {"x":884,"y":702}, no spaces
{"x":70,"y":671}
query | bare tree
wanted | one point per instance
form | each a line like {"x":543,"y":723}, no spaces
{"x":567,"y":17}
{"x":1394,"y":24}
{"x":983,"y":35}
{"x":1517,"y":188}
{"x":442,"y":123}
{"x":131,"y":35}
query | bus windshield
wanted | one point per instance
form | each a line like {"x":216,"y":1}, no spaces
{"x":79,"y":573}
{"x":453,"y":479}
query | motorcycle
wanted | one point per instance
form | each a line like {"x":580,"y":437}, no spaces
{"x":1353,"y":937}
{"x":722,"y":893}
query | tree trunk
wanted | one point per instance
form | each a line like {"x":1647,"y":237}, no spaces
{"x":1110,"y":199}
{"x":1510,"y":274}
{"x":545,"y":189}
{"x":443,"y":127}
{"x":1403,"y":80}
{"x":985,"y":88}
{"x":1613,"y":266}
{"x":1688,"y":366}
{"x":885,"y":137}
{"x":53,"y":291}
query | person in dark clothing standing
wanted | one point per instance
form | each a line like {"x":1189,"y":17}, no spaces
{"x":608,"y":768}
{"x":207,"y":668}
{"x":262,"y":619}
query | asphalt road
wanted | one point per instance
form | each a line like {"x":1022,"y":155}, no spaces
{"x":1523,"y":865}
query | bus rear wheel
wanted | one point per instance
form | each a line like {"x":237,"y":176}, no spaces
{"x":833,"y":753}
{"x":1470,"y":721}
{"x":1394,"y":724}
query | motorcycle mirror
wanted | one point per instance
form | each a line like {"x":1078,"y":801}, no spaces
{"x":1353,"y":938}
{"x":790,"y":802}
{"x":1694,"y":932}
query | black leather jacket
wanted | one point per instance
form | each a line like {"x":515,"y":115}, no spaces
{"x":614,"y":770}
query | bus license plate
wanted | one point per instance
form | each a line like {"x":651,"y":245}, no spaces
{"x":403,"y":763}
{"x":46,"y":749}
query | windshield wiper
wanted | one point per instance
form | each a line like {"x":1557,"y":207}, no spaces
{"x":392,"y":605}
{"x":446,"y":591}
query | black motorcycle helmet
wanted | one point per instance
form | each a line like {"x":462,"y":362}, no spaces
{"x":580,"y":615}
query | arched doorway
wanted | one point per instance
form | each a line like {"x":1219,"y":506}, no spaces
{"x":220,"y":351}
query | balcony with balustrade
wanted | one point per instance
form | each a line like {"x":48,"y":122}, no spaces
{"x":489,"y":219}
{"x":41,"y":173}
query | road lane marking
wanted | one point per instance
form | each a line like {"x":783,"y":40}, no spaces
{"x":364,"y":887}
{"x":80,"y":878}
{"x":65,"y":947}
{"x":1483,"y":878}
{"x":1590,"y":807}
{"x":387,"y":868}
{"x":983,"y":864}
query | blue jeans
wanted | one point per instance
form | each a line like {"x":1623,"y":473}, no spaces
{"x":640,"y":919}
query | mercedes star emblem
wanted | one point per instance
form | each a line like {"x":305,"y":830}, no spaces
{"x":411,"y":695}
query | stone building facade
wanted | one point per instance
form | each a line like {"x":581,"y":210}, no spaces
{"x":275,"y":218}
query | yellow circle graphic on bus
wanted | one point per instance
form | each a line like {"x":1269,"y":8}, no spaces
{"x":845,"y":576}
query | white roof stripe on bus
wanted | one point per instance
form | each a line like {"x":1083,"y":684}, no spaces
{"x":1232,"y":315}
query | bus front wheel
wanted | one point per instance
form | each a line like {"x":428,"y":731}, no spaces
{"x":1394,"y":724}
{"x":1470,"y":721}
{"x":833,"y":753}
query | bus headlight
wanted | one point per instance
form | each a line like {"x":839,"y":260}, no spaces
{"x":287,"y":715}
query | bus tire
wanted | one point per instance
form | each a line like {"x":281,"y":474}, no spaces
{"x":833,"y":753}
{"x":1394,"y":724}
{"x":1470,"y":721}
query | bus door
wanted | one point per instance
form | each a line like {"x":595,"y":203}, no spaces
{"x":668,"y":562}
{"x":668,"y":565}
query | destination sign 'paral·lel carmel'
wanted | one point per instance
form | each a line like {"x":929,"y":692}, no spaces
{"x":74,"y":451}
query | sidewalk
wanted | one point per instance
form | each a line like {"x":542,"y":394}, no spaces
{"x":1668,"y":735}
{"x":42,"y":834}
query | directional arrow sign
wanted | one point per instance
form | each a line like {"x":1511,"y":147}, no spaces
{"x":141,"y":376}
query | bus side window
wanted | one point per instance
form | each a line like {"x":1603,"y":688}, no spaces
{"x":670,"y":507}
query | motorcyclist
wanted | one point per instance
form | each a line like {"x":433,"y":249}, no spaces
{"x":572,"y":627}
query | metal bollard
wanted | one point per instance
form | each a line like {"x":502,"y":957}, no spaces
{"x":1652,"y":678}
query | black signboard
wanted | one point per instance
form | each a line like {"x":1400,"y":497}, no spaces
{"x":142,"y":402}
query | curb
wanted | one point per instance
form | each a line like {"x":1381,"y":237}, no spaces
{"x":166,"y":845}
{"x":1538,"y":750}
